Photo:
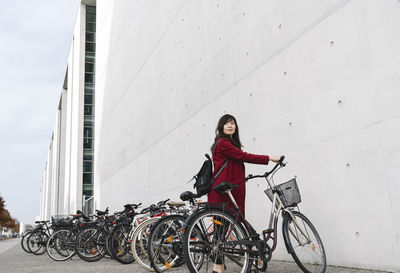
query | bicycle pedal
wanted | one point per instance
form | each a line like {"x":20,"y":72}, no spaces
{"x":268,"y":231}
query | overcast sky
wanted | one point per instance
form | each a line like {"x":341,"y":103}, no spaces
{"x":35,"y":38}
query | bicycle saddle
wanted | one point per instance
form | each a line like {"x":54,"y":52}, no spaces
{"x":175,"y":203}
{"x":41,"y":222}
{"x":187,"y":195}
{"x":100,"y":213}
{"x":132,"y":206}
{"x":224,"y":186}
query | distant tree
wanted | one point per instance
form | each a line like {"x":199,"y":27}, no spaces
{"x":5,"y":218}
{"x":2,"y":205}
{"x":4,"y":214}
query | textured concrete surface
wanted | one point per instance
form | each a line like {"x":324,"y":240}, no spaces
{"x":14,"y":260}
{"x":316,"y":80}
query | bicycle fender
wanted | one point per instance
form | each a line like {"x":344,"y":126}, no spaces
{"x":285,"y":233}
{"x":200,"y":209}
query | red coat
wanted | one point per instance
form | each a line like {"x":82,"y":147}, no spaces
{"x":233,"y":173}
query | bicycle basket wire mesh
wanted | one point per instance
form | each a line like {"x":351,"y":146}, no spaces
{"x":61,"y":220}
{"x":289,"y":193}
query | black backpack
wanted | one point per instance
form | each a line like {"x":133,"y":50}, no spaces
{"x":204,"y":178}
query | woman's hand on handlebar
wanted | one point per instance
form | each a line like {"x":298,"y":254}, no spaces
{"x":279,"y":162}
{"x":277,"y":159}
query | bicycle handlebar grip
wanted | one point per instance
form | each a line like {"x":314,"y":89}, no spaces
{"x":162,"y":202}
{"x":249,"y":177}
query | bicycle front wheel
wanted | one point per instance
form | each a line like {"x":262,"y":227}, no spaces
{"x":303,"y":243}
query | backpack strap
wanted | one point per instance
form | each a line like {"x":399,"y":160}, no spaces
{"x":222,"y":168}
{"x":223,"y":165}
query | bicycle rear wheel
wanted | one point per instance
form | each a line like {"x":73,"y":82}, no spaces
{"x":37,"y":242}
{"x":213,"y":237}
{"x":303,"y":243}
{"x":121,"y":244}
{"x":24,"y":241}
{"x":165,"y":243}
{"x":90,"y":244}
{"x":139,"y":243}
{"x":61,"y":245}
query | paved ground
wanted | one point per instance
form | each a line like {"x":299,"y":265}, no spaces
{"x":14,"y":260}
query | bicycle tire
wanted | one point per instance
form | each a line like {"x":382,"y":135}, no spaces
{"x":61,"y":245}
{"x":37,"y":242}
{"x":139,"y":243}
{"x":304,"y":251}
{"x":164,"y":245}
{"x":200,"y":236}
{"x":120,"y":245}
{"x":24,"y":241}
{"x":90,"y":244}
{"x":108,"y":245}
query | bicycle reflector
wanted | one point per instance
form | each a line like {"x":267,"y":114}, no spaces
{"x":217,"y":222}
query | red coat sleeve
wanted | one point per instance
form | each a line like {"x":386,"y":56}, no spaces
{"x":227,"y":149}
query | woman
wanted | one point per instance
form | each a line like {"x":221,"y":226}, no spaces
{"x":226,"y":146}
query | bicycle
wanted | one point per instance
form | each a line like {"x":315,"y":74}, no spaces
{"x":37,"y":240}
{"x":164,"y":246}
{"x":234,"y":242}
{"x":24,"y":241}
{"x":90,"y":244}
{"x":140,"y":232}
{"x":61,"y":244}
{"x":120,"y":249}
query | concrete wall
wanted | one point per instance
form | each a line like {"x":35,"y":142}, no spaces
{"x":314,"y":80}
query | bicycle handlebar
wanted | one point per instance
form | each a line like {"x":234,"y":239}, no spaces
{"x":265,"y":175}
{"x":162,"y":203}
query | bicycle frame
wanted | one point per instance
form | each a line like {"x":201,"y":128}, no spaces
{"x":277,"y":208}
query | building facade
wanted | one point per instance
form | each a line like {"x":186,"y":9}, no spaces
{"x":68,"y":176}
{"x":314,"y":80}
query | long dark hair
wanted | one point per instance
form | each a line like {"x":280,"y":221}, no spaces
{"x":219,"y":132}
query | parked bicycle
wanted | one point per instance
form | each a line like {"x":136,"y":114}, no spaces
{"x":120,"y":248}
{"x":164,"y":246}
{"x":235,"y":242}
{"x":61,"y":244}
{"x":36,"y":240}
{"x":90,"y":242}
